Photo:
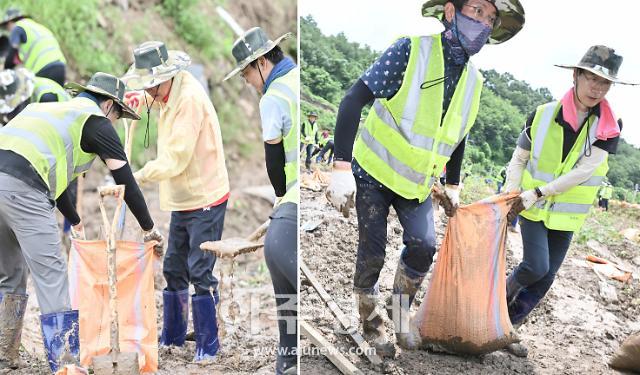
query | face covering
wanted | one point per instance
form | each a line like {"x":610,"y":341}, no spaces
{"x":472,"y":34}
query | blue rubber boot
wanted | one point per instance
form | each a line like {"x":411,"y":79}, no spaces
{"x":513,"y":289}
{"x":175,"y":316}
{"x":60,"y":334}
{"x":522,"y":305}
{"x":205,"y":327}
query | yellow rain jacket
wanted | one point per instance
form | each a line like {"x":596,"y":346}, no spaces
{"x":190,"y":164}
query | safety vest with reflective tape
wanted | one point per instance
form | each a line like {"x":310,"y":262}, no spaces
{"x":41,"y":47}
{"x":48,"y":136}
{"x":566,"y":211}
{"x":309,"y":132}
{"x":406,"y":142}
{"x":43,"y":86}
{"x":606,"y":192}
{"x":285,"y":91}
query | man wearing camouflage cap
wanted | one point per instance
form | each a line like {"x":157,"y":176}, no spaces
{"x":42,"y":150}
{"x":427,"y":94}
{"x":559,"y":163}
{"x":19,"y":88}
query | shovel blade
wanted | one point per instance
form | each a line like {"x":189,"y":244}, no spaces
{"x":126,"y":363}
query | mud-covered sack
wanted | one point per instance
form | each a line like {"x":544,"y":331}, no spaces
{"x":136,"y":305}
{"x":465,"y":308}
{"x":628,"y":355}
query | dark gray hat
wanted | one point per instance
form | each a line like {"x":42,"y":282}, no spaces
{"x":109,"y":86}
{"x":601,"y":61}
{"x":312,"y":113}
{"x":253,"y":44}
{"x":12,"y":14}
{"x":510,"y":17}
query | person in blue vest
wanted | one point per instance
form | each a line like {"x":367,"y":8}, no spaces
{"x":34,"y":46}
{"x":559,"y":163}
{"x":425,"y":94}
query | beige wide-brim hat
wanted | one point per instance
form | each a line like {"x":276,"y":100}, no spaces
{"x":16,"y":86}
{"x":601,"y":61}
{"x":250,"y":46}
{"x":109,"y":86}
{"x":510,"y":17}
{"x":153,"y":65}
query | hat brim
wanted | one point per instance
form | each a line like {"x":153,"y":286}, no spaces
{"x":16,"y":18}
{"x":142,"y":79}
{"x":254,"y":56}
{"x":24,"y":92}
{"x":127,"y":112}
{"x":597,"y":72}
{"x":510,"y":14}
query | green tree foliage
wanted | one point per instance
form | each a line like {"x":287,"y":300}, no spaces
{"x":624,"y":166}
{"x":75,"y":25}
{"x":330,"y":65}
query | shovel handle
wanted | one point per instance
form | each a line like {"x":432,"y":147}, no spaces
{"x":258,"y":233}
{"x":116,"y":191}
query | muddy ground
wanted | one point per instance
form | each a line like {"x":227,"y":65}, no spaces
{"x":573,"y":331}
{"x":249,"y":337}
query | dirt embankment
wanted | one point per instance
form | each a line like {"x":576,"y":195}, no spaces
{"x":573,"y":331}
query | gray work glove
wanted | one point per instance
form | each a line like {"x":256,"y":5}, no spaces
{"x":154,"y":235}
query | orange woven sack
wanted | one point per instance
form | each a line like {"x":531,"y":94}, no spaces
{"x":465,"y":308}
{"x":89,"y":291}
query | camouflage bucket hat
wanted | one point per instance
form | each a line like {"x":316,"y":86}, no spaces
{"x":601,"y":61}
{"x":253,"y":44}
{"x":12,"y":14}
{"x":510,"y":17}
{"x":16,"y":86}
{"x":154,"y":64}
{"x":109,"y":86}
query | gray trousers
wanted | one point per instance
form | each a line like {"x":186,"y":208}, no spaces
{"x":30,"y":241}
{"x":281,"y":256}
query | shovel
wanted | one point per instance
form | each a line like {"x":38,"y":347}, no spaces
{"x":116,"y":362}
{"x":234,"y":246}
{"x":129,"y":130}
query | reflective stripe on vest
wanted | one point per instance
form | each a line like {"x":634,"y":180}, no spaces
{"x":48,"y":136}
{"x":566,"y":211}
{"x":310,"y":132}
{"x":284,"y":90}
{"x":41,"y":47}
{"x":44,"y":86}
{"x":418,"y":140}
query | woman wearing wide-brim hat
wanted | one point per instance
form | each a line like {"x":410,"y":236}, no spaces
{"x":194,"y":186}
{"x":426,"y":95}
{"x":559,"y":164}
